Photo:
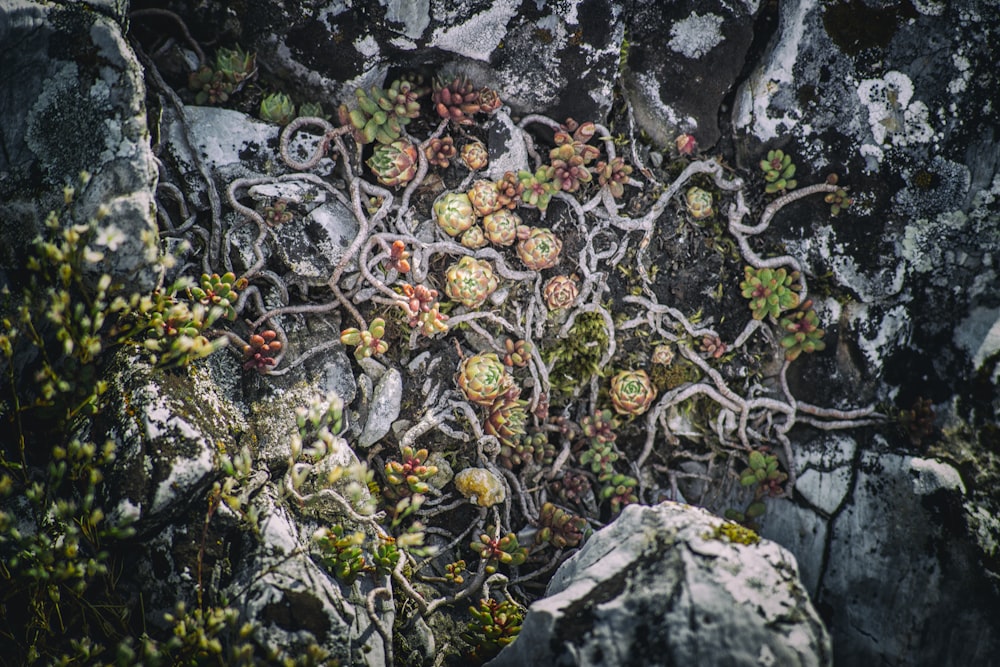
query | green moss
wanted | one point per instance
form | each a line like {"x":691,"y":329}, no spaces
{"x":577,"y":357}
{"x":670,"y":376}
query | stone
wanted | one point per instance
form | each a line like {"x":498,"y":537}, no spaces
{"x":77,"y":104}
{"x":683,"y":59}
{"x":169,"y":430}
{"x":660,"y":585}
{"x":384,"y":408}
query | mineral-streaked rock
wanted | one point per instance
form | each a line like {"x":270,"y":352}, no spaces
{"x":658,"y":587}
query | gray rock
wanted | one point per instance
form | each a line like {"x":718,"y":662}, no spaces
{"x":853,"y":533}
{"x":77,"y":104}
{"x":169,"y":430}
{"x":655,"y":588}
{"x":295,"y":603}
{"x":384,"y":408}
{"x":683,"y":59}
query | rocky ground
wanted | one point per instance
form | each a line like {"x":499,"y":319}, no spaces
{"x":428,"y":420}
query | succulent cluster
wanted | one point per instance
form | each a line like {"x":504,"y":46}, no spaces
{"x":440,"y":151}
{"x":214,"y":85}
{"x":507,"y":420}
{"x":380,"y":114}
{"x":838,"y":200}
{"x":559,"y":528}
{"x":572,"y":155}
{"x":632,"y":392}
{"x":699,"y":203}
{"x":369,"y":342}
{"x":540,"y":249}
{"x":259,"y":354}
{"x":560,"y":292}
{"x":537,"y":187}
{"x":454,"y":213}
{"x":764,"y":477}
{"x":494,"y":625}
{"x":410,"y":475}
{"x":394,"y":164}
{"x":499,"y":550}
{"x":459,"y":100}
{"x":474,"y":155}
{"x":778,"y":171}
{"x":770,"y":291}
{"x":340,"y":552}
{"x":483,"y":378}
{"x":277,"y":214}
{"x":277,"y":108}
{"x":470,"y":281}
{"x":217,"y":291}
{"x":801,"y":332}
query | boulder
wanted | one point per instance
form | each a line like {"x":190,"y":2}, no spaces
{"x":672,"y":585}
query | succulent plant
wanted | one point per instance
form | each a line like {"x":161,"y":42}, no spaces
{"x":507,"y":419}
{"x":454,"y":213}
{"x":277,"y":213}
{"x":369,"y":343}
{"x":409,"y":476}
{"x":778,"y":170}
{"x":473,"y":238}
{"x":432,"y":321}
{"x":420,"y":299}
{"x":599,"y":428}
{"x":712,"y":346}
{"x":763,"y":472}
{"x":216,"y":84}
{"x":394,"y":164}
{"x":399,"y":257}
{"x":518,"y":352}
{"x":599,"y":456}
{"x":838,"y":200}
{"x":499,"y":550}
{"x":500,"y":228}
{"x":632,"y":392}
{"x":483,"y":378}
{"x":440,"y":151}
{"x":217,"y":292}
{"x":458,"y":100}
{"x":570,"y":157}
{"x":699,"y":203}
{"x":770,"y":291}
{"x":453,"y":571}
{"x":474,"y":155}
{"x":380,"y":115}
{"x":686,"y":144}
{"x":531,"y":448}
{"x":509,"y":190}
{"x":572,"y":487}
{"x":484,"y":197}
{"x":663,"y":354}
{"x":538,"y":187}
{"x":313,"y":110}
{"x":340,"y":552}
{"x":277,"y":108}
{"x":560,"y":292}
{"x":614,"y":175}
{"x":493,"y":626}
{"x":559,"y":528}
{"x":619,"y":489}
{"x":260,"y":352}
{"x":540,"y":250}
{"x":802,"y":332}
{"x":470,"y":281}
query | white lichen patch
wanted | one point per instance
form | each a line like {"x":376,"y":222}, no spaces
{"x":961,"y":82}
{"x":480,"y":35}
{"x":930,"y":7}
{"x":921,"y":243}
{"x":649,"y":87}
{"x":752,"y":105}
{"x":893,"y":113}
{"x":877,"y":338}
{"x":696,"y":35}
{"x":367,"y":46}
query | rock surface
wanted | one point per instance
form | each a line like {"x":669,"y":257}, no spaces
{"x":660,"y":586}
